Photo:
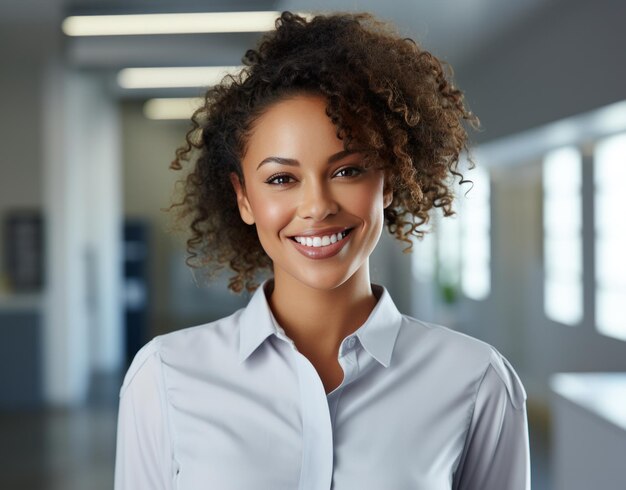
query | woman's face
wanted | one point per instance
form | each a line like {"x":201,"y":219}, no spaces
{"x":318,"y":212}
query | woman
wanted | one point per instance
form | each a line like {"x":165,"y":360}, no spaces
{"x":336,"y":128}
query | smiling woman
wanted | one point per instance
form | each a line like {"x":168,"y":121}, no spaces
{"x":319,"y":192}
{"x":336,"y":129}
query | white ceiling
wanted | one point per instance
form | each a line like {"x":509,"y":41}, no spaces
{"x":455,"y":30}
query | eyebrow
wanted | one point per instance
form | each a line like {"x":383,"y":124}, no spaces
{"x":294,"y":163}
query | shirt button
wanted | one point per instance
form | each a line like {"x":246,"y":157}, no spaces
{"x":351,"y":342}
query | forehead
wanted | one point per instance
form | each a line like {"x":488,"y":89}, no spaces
{"x":293,"y":127}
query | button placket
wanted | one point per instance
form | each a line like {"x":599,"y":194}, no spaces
{"x":317,"y":429}
{"x":349,"y":358}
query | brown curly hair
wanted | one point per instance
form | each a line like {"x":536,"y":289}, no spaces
{"x":384,"y":93}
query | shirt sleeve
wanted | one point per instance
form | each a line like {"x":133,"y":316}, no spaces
{"x":496,"y":455}
{"x":143,"y":456}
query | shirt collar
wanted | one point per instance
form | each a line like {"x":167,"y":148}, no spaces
{"x":377,"y":335}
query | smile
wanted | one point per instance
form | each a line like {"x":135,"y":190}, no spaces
{"x":321,"y":247}
{"x":321,"y":241}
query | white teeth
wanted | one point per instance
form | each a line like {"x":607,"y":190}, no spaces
{"x":322,"y":241}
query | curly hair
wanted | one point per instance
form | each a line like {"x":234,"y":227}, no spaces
{"x":383,"y":92}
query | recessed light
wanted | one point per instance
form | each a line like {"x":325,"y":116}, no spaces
{"x":173,"y":77}
{"x":174,"y":108}
{"x":181,"y":23}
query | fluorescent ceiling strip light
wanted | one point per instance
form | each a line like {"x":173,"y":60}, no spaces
{"x":169,"y":109}
{"x":183,"y":23}
{"x":188,"y":76}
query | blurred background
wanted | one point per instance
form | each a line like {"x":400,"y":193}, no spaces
{"x":534,"y":262}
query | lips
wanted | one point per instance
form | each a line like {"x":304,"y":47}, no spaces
{"x":322,"y":251}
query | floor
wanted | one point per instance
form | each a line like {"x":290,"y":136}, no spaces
{"x":75,"y":449}
{"x":62,"y":449}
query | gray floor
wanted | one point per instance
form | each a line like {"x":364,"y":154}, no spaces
{"x":61,"y":449}
{"x":75,"y":449}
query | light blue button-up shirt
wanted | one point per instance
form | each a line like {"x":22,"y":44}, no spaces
{"x":233,"y":405}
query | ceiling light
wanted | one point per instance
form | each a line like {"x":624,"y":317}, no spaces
{"x":183,"y":23}
{"x":188,"y":76}
{"x":163,"y":109}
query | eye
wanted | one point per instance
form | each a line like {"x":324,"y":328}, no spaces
{"x":350,"y":172}
{"x":279,"y":179}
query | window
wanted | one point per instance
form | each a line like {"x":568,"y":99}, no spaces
{"x":456,"y":253}
{"x":448,"y":256}
{"x":562,"y":228}
{"x":476,"y":237}
{"x":610,"y":236}
{"x":436,"y":258}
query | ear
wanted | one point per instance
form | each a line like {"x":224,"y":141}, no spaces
{"x":387,"y":196}
{"x":245,"y":210}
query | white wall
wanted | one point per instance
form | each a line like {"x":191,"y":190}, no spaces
{"x":98,"y":149}
{"x":83,"y":313}
{"x":65,"y":319}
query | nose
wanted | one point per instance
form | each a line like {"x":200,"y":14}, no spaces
{"x":317,"y":201}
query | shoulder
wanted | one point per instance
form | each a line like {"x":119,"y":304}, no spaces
{"x":145,"y":360}
{"x":470,"y":357}
{"x":186,"y":345}
{"x":465,"y":350}
{"x":507,"y":379}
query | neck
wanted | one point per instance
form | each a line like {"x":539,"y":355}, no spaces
{"x":317,"y":320}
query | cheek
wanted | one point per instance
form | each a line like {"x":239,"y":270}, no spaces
{"x":367,"y":201}
{"x":271,"y":215}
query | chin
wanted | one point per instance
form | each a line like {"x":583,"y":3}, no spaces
{"x":323,"y":279}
